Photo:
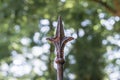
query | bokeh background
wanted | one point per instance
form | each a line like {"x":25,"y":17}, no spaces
{"x":26,"y":55}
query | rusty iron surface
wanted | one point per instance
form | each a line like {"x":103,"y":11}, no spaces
{"x":59,"y":41}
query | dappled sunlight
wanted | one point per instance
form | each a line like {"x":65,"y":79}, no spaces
{"x":25,"y":41}
{"x":71,"y":76}
{"x":69,"y":32}
{"x":45,"y":29}
{"x":71,"y":59}
{"x":37,"y":51}
{"x":19,"y":66}
{"x":109,"y":23}
{"x":44,"y":22}
{"x":113,"y":55}
{"x":101,"y":15}
{"x":94,"y":54}
{"x":113,"y":71}
{"x":17,"y":28}
{"x":44,"y":57}
{"x":20,"y":70}
{"x":85,"y":4}
{"x":39,"y":64}
{"x":62,"y":0}
{"x":81,"y":33}
{"x":117,"y":18}
{"x":44,"y":40}
{"x":74,"y":35}
{"x":36,"y":37}
{"x":104,"y":42}
{"x":4,"y":68}
{"x":34,"y":59}
{"x":54,"y":24}
{"x":46,"y":48}
{"x":86,"y":22}
{"x":114,"y":40}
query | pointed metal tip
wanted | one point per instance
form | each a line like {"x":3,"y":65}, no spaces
{"x":59,"y":22}
{"x":60,"y":19}
{"x":60,"y":29}
{"x":59,"y":16}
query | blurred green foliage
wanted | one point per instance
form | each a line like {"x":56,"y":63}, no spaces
{"x":20,"y":18}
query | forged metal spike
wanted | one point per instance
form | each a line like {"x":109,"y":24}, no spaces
{"x":59,"y":41}
{"x":60,"y":29}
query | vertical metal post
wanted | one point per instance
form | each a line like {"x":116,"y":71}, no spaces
{"x":59,"y":41}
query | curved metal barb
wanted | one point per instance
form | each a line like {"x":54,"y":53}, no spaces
{"x":59,"y":41}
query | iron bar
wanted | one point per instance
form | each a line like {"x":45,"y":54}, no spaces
{"x":59,"y":42}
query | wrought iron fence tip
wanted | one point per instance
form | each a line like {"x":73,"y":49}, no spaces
{"x":59,"y":41}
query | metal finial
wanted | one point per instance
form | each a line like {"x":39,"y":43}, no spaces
{"x":59,"y":41}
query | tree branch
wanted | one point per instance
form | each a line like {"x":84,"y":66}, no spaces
{"x":117,"y":7}
{"x":108,"y":8}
